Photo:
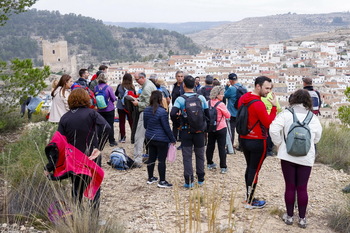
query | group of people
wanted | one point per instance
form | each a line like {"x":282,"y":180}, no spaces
{"x":147,"y":112}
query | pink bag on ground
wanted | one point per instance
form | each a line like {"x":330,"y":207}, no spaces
{"x":171,"y":156}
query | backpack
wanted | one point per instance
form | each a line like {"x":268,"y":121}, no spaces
{"x":119,"y":159}
{"x":35,"y":104}
{"x":242,"y":119}
{"x":213,"y":114}
{"x":193,"y":114}
{"x":101,"y":98}
{"x":93,"y":84}
{"x":298,"y":141}
{"x":240,"y":90}
{"x":205,"y":91}
{"x":315,"y":101}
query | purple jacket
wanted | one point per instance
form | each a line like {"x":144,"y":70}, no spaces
{"x":110,"y":96}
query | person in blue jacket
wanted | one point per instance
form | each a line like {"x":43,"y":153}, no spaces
{"x":158,"y":136}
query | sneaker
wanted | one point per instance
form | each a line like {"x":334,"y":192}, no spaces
{"x":152,"y":180}
{"x":200,"y":183}
{"x":287,"y":219}
{"x":113,"y":144}
{"x":123,"y":139}
{"x":302,"y":223}
{"x":189,"y":186}
{"x":211,"y":166}
{"x":256,"y":204}
{"x":164,"y":184}
{"x":223,"y":170}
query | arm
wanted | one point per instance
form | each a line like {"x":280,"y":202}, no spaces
{"x":222,"y":107}
{"x":144,"y":98}
{"x":111,"y":94}
{"x":230,"y":92}
{"x":276,"y":129}
{"x":318,"y":129}
{"x":164,"y":121}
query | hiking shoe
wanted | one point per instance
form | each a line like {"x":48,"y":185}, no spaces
{"x":152,"y":180}
{"x":164,"y":184}
{"x":223,"y":170}
{"x":256,"y":204}
{"x":346,"y":189}
{"x":302,"y":223}
{"x":189,"y":186}
{"x":211,"y":166}
{"x":113,"y":144}
{"x":287,"y":219}
{"x":123,"y":139}
{"x":200,"y":183}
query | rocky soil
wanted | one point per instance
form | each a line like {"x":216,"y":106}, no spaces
{"x":145,"y":208}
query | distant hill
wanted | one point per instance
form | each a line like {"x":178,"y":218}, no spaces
{"x":184,"y":28}
{"x":270,"y":29}
{"x":90,"y":39}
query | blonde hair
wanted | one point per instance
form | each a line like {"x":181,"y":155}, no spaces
{"x":161,"y":82}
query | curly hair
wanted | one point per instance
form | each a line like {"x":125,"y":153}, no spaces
{"x":78,"y":98}
{"x":216,"y":91}
{"x":301,"y":96}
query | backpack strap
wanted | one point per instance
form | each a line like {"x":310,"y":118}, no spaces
{"x":248,"y":104}
{"x":308,"y":117}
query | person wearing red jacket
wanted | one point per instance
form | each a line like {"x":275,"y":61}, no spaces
{"x":254,"y":144}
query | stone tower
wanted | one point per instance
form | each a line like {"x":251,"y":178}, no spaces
{"x":55,"y":55}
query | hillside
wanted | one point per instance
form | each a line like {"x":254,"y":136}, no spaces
{"x":87,"y":37}
{"x":270,"y":29}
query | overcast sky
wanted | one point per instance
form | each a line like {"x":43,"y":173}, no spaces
{"x":177,"y":11}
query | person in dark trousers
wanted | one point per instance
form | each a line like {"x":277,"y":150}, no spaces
{"x":315,"y":96}
{"x":178,"y":90}
{"x":254,"y":144}
{"x":219,"y":136}
{"x":231,"y":96}
{"x":190,"y":141}
{"x":107,"y":113}
{"x":158,"y":136}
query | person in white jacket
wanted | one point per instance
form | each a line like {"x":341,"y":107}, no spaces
{"x":296,"y":170}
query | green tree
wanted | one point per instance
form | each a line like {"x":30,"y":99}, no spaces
{"x":19,"y":80}
{"x":9,"y":7}
{"x":344,"y":111}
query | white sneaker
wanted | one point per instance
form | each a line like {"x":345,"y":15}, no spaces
{"x":287,"y":219}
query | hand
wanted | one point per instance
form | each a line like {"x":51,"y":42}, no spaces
{"x":228,"y":83}
{"x":95,"y":153}
{"x":273,"y":101}
{"x":46,"y":173}
{"x":135,"y":102}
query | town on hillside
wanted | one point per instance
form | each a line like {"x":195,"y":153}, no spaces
{"x":328,"y":64}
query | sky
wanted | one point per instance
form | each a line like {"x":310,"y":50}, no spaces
{"x":179,"y":11}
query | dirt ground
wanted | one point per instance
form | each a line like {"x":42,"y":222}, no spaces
{"x":127,"y":197}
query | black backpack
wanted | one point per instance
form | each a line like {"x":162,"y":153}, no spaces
{"x":193,"y":115}
{"x":239,"y":92}
{"x":213,"y":114}
{"x":242,"y":119}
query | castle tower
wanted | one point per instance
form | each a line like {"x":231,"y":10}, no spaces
{"x":55,"y":55}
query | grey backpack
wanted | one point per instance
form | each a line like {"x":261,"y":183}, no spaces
{"x":298,"y":141}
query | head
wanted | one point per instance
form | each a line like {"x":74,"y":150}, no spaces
{"x":78,"y":98}
{"x":197,"y":80}
{"x":84,"y":73}
{"x":127,"y":81}
{"x":179,"y":75}
{"x":216,"y":82}
{"x":217,"y":93}
{"x":303,"y":97}
{"x":155,"y":100}
{"x":262,"y":85}
{"x":103,"y":68}
{"x":153,"y":78}
{"x":209,"y":80}
{"x":161,"y":82}
{"x":233,"y":79}
{"x":140,"y":78}
{"x":54,"y":83}
{"x":307,"y":81}
{"x":102,"y":78}
{"x":65,"y":83}
{"x":189,"y":82}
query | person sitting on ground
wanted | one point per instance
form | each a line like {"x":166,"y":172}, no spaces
{"x":296,"y":170}
{"x":158,"y":136}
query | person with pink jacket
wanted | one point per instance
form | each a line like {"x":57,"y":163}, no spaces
{"x":219,"y":136}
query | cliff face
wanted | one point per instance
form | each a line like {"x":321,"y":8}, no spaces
{"x":270,"y":29}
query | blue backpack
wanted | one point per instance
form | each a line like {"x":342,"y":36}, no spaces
{"x":119,"y":160}
{"x":101,"y":97}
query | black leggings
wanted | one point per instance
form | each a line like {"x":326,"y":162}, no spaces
{"x":255,"y":153}
{"x":220,"y":137}
{"x":157,"y":149}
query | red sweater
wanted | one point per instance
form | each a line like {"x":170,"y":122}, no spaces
{"x":257,"y":112}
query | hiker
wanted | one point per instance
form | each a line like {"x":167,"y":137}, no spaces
{"x":315,"y":95}
{"x":254,"y":143}
{"x":219,"y":135}
{"x":231,"y":89}
{"x":205,"y":90}
{"x":165,"y":92}
{"x":178,"y":90}
{"x":60,"y":93}
{"x":93,"y":83}
{"x":296,"y":170}
{"x":83,"y":78}
{"x":197,"y":84}
{"x":108,"y":112}
{"x":121,"y":91}
{"x":158,"y":136}
{"x":193,"y":110}
{"x":216,"y":82}
{"x":268,"y":106}
{"x":142,"y":102}
{"x":87,"y":131}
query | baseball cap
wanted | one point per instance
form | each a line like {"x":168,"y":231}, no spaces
{"x":232,"y":76}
